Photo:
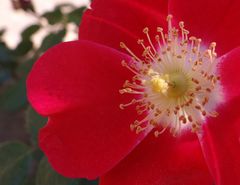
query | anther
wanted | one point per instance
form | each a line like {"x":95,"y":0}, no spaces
{"x":169,"y":17}
{"x":208,"y":90}
{"x":126,"y":90}
{"x":140,"y":41}
{"x":122,"y":45}
{"x":204,"y":113}
{"x":195,"y":81}
{"x":198,"y":107}
{"x":145,"y":30}
{"x":159,"y":29}
{"x":190,"y":118}
{"x":181,"y":24}
{"x":198,"y":88}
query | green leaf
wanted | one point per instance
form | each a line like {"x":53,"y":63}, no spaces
{"x":15,"y":160}
{"x":25,"y":67}
{"x":52,"y":39}
{"x":5,"y":75}
{"x":23,"y":47}
{"x":14,"y":97}
{"x":54,"y":16}
{"x":6,"y":57}
{"x":33,"y":123}
{"x":76,"y":15}
{"x":47,"y":176}
{"x":29,"y":31}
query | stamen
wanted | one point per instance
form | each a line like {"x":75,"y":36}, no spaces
{"x":122,"y":45}
{"x":160,"y":30}
{"x":173,"y":83}
{"x":145,"y":30}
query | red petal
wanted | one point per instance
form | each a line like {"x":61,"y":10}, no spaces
{"x":221,"y":144}
{"x":230,"y":73}
{"x":109,"y":22}
{"x":215,"y":20}
{"x":73,"y":74}
{"x":78,"y":84}
{"x":159,"y":161}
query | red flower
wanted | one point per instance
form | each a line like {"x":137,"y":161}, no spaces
{"x":76,"y":84}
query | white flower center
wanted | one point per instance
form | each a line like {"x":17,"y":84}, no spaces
{"x":176,"y":79}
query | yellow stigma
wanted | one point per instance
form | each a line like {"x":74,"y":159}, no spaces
{"x":159,"y":85}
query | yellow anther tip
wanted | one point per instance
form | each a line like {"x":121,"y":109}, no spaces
{"x":169,"y":17}
{"x":123,"y":63}
{"x":122,"y":45}
{"x":145,"y":30}
{"x":213,"y":44}
{"x":159,"y":29}
{"x":140,"y":41}
{"x":181,"y":24}
{"x":156,"y":133}
{"x":121,"y":106}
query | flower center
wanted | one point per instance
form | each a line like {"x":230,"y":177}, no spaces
{"x":175,"y":80}
{"x":173,"y":85}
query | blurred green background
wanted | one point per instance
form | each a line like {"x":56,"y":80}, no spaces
{"x":21,"y":161}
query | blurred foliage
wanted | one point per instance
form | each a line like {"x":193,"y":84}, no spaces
{"x":16,"y":63}
{"x":47,"y":176}
{"x":24,"y":163}
{"x":33,"y":123}
{"x":15,"y":160}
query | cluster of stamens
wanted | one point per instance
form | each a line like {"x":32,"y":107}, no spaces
{"x":175,"y":81}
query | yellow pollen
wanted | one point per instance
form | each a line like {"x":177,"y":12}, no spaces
{"x":175,"y":83}
{"x":159,"y":84}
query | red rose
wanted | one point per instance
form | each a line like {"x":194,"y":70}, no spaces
{"x":76,"y":84}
